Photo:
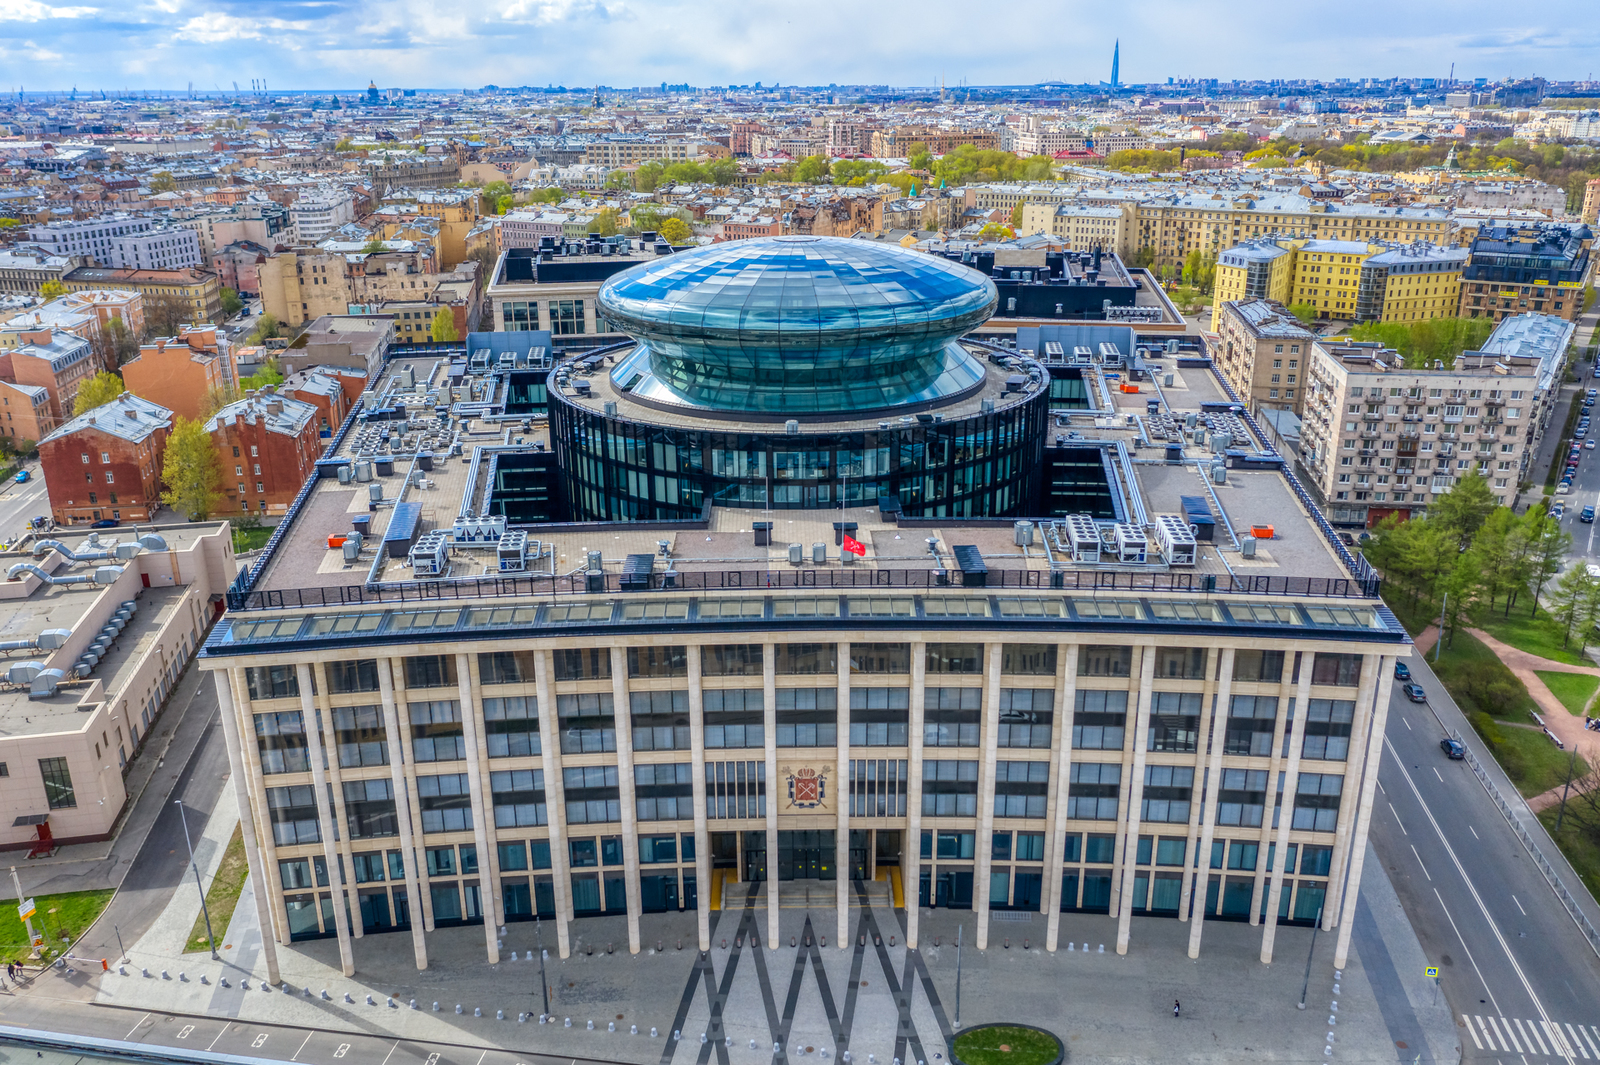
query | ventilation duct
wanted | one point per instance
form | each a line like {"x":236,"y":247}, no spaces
{"x":101,"y":575}
{"x":45,"y":546}
{"x":48,"y":640}
{"x":24,"y":672}
{"x":46,"y":684}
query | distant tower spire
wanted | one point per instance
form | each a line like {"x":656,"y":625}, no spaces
{"x":1116,"y":60}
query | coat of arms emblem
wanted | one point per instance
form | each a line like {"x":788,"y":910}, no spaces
{"x":808,"y":789}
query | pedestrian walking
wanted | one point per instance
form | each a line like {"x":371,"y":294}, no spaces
{"x":1175,"y":1007}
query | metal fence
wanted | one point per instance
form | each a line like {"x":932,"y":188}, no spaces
{"x":862,"y":579}
{"x":1550,"y":873}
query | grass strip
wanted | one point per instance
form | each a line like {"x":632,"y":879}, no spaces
{"x":223,"y":896}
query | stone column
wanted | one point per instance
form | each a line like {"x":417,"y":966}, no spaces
{"x":330,"y":742}
{"x":413,"y":798}
{"x":266,"y":902}
{"x":1130,"y":851}
{"x":319,"y":783}
{"x":555,"y":800}
{"x":989,"y":737}
{"x":1280,"y":849}
{"x":1280,"y":725}
{"x":1120,"y":844}
{"x":472,"y":738}
{"x":911,"y":852}
{"x":626,"y":794}
{"x":1061,"y":751}
{"x":1359,"y":732}
{"x":403,"y":807}
{"x":1357,"y":844}
{"x":841,"y":796}
{"x":488,"y":863}
{"x":702,"y":837}
{"x":1212,"y":785}
{"x":255,"y":780}
{"x":769,"y":729}
{"x":1208,"y":710}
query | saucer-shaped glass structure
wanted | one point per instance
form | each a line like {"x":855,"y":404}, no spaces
{"x":800,"y":325}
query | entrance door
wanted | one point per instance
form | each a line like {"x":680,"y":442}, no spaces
{"x":859,"y":842}
{"x":806,"y":855}
{"x":375,"y":912}
{"x":755,"y":856}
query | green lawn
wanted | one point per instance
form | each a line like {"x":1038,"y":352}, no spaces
{"x":1462,"y":665}
{"x":1539,"y":635}
{"x":223,"y":896}
{"x":1573,"y":689}
{"x":68,"y":914}
{"x":250,"y":539}
{"x":1581,"y":848}
{"x":1005,"y":1045}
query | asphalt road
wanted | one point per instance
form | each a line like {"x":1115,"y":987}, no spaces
{"x":1512,"y":963}
{"x":20,"y":502}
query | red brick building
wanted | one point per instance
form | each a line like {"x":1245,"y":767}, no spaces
{"x":324,"y":391}
{"x":268,"y":445}
{"x":106,"y":463}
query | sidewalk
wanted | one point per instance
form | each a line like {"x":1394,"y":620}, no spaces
{"x":1567,"y":727}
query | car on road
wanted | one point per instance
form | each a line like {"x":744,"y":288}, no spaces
{"x":1558,"y":510}
{"x":1347,"y":540}
{"x":22,"y":478}
{"x":1402,"y":671}
{"x":1593,"y":391}
{"x":1580,"y":432}
{"x":1454,"y":749}
{"x":1588,"y":445}
{"x":1564,"y":487}
{"x":1415,"y":693}
{"x":105,"y":523}
{"x":1587,"y":515}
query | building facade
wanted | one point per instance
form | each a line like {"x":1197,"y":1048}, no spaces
{"x":105,"y":464}
{"x":182,"y":373}
{"x":1264,"y":352}
{"x":270,"y":444}
{"x":1526,"y":269}
{"x":122,"y":241}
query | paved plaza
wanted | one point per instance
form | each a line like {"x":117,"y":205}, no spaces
{"x":874,"y":999}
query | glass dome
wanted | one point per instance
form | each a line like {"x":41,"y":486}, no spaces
{"x":798,"y":325}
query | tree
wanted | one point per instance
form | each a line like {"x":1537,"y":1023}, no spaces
{"x":115,"y":343}
{"x":267,"y":374}
{"x":996,"y":231}
{"x":266,"y":328}
{"x":1464,"y":508}
{"x":676,"y":231}
{"x":444,"y":326}
{"x":723,"y":170}
{"x":52,"y":289}
{"x":812,"y":168}
{"x":191,"y":471}
{"x":491,"y":195}
{"x":604,"y":222}
{"x":548,"y":194}
{"x":163,"y":181}
{"x":345,"y":145}
{"x":1016,"y":215}
{"x":231,"y":303}
{"x":374,"y":246}
{"x":164,"y":313}
{"x":648,"y":176}
{"x":1550,"y":546}
{"x":918,"y":156}
{"x":97,"y":391}
{"x":1306,"y":312}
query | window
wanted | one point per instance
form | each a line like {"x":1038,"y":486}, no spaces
{"x":369,"y":810}
{"x":1181,"y":663}
{"x":1174,"y":722}
{"x":807,"y":717}
{"x":436,"y":731}
{"x":656,"y":850}
{"x":1028,"y":659}
{"x":877,"y":787}
{"x":445,"y":802}
{"x":518,"y":797}
{"x":1092,"y":791}
{"x":584,"y":663}
{"x":592,"y":794}
{"x":566,"y":317}
{"x":734,"y":717}
{"x":949,"y":788}
{"x":293,"y":813}
{"x":271,"y":682}
{"x":506,"y":667}
{"x":587,"y":723}
{"x":880,"y":657}
{"x":511,"y":725}
{"x":1100,"y":720}
{"x":955,"y":658}
{"x":58,"y":791}
{"x":1342,"y":670}
{"x":513,"y":857}
{"x":360,"y":736}
{"x":734,"y":660}
{"x":1263,"y":666}
{"x":1098,"y":661}
{"x":736,"y":789}
{"x":1328,"y":723}
{"x":952,"y":717}
{"x":661,"y":720}
{"x":879,"y":716}
{"x":806,"y":658}
{"x":1316,"y":802}
{"x":664,"y":792}
{"x":663,"y":661}
{"x":350,"y":677}
{"x":1251,"y":719}
{"x":281,"y":739}
{"x":430,"y":671}
{"x":1026,"y":717}
{"x":1242,"y":798}
{"x":1167,"y":790}
{"x":1021,"y":789}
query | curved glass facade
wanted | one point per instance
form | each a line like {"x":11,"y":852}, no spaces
{"x":986,"y":465}
{"x":798,"y":325}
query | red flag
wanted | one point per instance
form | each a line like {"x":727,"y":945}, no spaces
{"x":854,"y":546}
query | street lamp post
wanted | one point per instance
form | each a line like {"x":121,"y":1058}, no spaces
{"x":959,"y":929}
{"x":544,"y":984}
{"x":183,"y":816}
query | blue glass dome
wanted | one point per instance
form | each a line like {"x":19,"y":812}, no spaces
{"x":798,"y":325}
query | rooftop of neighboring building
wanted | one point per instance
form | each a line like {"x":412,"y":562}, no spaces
{"x":1420,"y":252}
{"x":1267,"y":319}
{"x":60,"y":349}
{"x":128,"y":416}
{"x":273,"y":411}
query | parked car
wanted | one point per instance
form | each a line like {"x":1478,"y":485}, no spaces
{"x":1347,"y":540}
{"x":1593,"y":392}
{"x":1402,"y":671}
{"x":105,"y":523}
{"x":22,"y":478}
{"x":1454,"y":749}
{"x":1580,"y":432}
{"x":1415,"y":693}
{"x":1564,"y":487}
{"x":1558,"y":510}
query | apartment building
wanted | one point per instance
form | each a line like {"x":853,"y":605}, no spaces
{"x":614,"y":152}
{"x":1362,"y":281}
{"x":1526,"y":269}
{"x":1264,"y":352}
{"x":182,"y":373}
{"x":1380,"y":438}
{"x":316,"y":215}
{"x":53,"y":360}
{"x":122,"y":241}
{"x":117,"y":450}
{"x":23,"y":272}
{"x":1080,"y":227}
{"x":268,"y":445}
{"x":25,"y":413}
{"x":86,"y":315}
{"x":200,"y":290}
{"x":303,"y":284}
{"x":1589,"y":212}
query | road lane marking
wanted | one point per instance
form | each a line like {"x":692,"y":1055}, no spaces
{"x":1471,"y":1031}
{"x":1380,"y":788}
{"x":392,"y":1049}
{"x":302,"y":1046}
{"x":1519,"y":906}
{"x":1487,"y":1037}
{"x":1474,"y":833}
{"x":1505,"y":1036}
{"x":1531,"y":1034}
{"x":1591,"y":1043}
{"x":1436,"y":773}
{"x":183,"y":1033}
{"x":260,"y":1040}
{"x":1420,"y":862}
{"x":344,"y":1048}
{"x":1575,"y":1041}
{"x":135,"y":1028}
{"x":481,"y":1057}
{"x":1516,"y":967}
{"x":1468,"y":949}
{"x":220,"y":1035}
{"x":1397,"y":820}
{"x":1406,"y":723}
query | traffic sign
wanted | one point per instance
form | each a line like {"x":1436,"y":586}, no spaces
{"x":1431,"y":972}
{"x":25,"y":909}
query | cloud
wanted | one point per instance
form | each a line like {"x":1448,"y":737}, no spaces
{"x":27,"y":51}
{"x":214,"y":28}
{"x":37,"y":11}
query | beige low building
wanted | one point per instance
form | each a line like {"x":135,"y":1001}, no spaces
{"x":94,"y":646}
{"x":1264,"y":352}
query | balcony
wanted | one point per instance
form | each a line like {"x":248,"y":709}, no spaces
{"x":1411,"y":418}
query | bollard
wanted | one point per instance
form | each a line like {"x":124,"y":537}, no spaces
{"x":204,"y":980}
{"x":458,"y":1007}
{"x":652,"y":1033}
{"x":1070,"y":947}
{"x":347,"y":998}
{"x":861,"y":941}
{"x":224,"y":982}
{"x":776,"y":1049}
{"x":392,"y":1004}
{"x":287,"y":990}
{"x":1086,"y":948}
{"x":589,"y":950}
{"x":477,"y":1011}
{"x":591,"y":1026}
{"x":244,"y":985}
{"x":680,"y":944}
{"x":370,"y":1002}
{"x":568,"y":1024}
{"x":436,"y":1007}
{"x":499,"y":1015}
{"x":1336,"y":987}
{"x":145,"y":972}
{"x":611,"y":1026}
{"x":413,"y":1003}
{"x":702,"y":1037}
{"x":891,"y":941}
{"x":513,"y":955}
{"x":938,"y":941}
{"x":1007,"y":942}
{"x":305,"y":990}
{"x":633,"y":1029}
{"x":164,"y":975}
{"x":658,"y":946}
{"x":1102,"y":949}
{"x":1024,"y":944}
{"x":808,"y":941}
{"x":824,"y":941}
{"x":183,"y":977}
{"x":522,"y":1018}
{"x":724,"y":947}
{"x":610,"y":947}
{"x":727,"y":1041}
{"x":791,"y":941}
{"x":122,"y":970}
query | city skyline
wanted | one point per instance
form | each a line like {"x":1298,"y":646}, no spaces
{"x":305,"y":45}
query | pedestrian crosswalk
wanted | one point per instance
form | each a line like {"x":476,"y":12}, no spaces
{"x":1551,"y":1038}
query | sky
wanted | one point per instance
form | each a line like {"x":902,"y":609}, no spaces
{"x":341,"y":44}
